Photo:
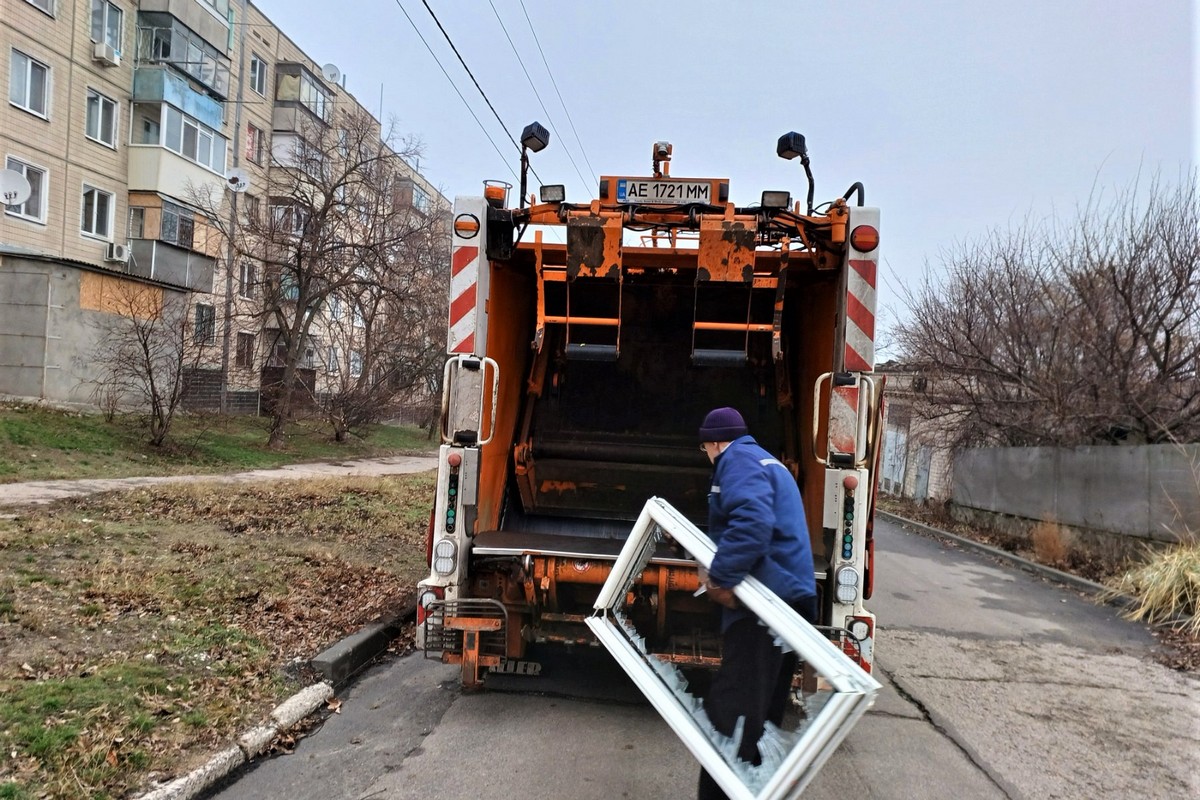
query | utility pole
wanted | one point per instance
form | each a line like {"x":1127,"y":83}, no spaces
{"x":230,"y":247}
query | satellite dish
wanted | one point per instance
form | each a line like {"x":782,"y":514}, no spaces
{"x":331,"y":73}
{"x":237,"y":180}
{"x":14,"y":188}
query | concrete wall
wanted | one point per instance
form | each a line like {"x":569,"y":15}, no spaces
{"x":48,"y":338}
{"x":1147,"y":491}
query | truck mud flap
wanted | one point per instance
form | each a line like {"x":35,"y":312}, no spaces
{"x":792,"y":755}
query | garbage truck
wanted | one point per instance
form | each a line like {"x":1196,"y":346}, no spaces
{"x":586,"y":341}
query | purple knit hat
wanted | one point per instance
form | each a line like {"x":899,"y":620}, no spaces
{"x":722,"y":425}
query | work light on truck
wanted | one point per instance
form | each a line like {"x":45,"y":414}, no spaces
{"x":776,"y":200}
{"x":553,"y":193}
{"x":847,"y":585}
{"x":444,"y":553}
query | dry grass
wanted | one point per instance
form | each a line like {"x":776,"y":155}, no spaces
{"x":1166,"y":587}
{"x":1050,"y":544}
{"x":139,"y":631}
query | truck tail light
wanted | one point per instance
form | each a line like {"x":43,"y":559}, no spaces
{"x":428,"y":596}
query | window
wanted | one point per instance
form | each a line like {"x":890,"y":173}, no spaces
{"x":178,"y":225}
{"x":356,"y":363}
{"x":206,"y":324}
{"x":97,"y":212}
{"x":420,"y":200}
{"x":359,"y":322}
{"x":101,"y":123}
{"x":137,"y":223}
{"x":44,"y":5}
{"x":310,"y":358}
{"x":335,"y":358}
{"x":33,"y":208}
{"x":289,"y":219}
{"x":106,"y":23}
{"x":250,"y":204}
{"x":335,"y":307}
{"x":258,"y":74}
{"x":299,"y":85}
{"x":161,"y":37}
{"x":245,"y":349}
{"x":192,"y":140}
{"x":254,"y":144}
{"x":247,"y":280}
{"x":29,"y":84}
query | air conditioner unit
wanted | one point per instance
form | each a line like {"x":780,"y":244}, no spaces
{"x":116,"y":252}
{"x":106,"y":54}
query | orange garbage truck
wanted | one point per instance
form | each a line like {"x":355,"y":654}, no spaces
{"x":579,"y":371}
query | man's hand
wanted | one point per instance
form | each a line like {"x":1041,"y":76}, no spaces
{"x":721,"y":595}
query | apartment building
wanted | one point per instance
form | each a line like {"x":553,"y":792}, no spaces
{"x":127,"y":119}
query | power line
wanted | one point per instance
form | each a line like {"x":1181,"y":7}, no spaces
{"x":553,"y":82}
{"x":482,"y":94}
{"x":536,"y":94}
{"x":456,"y":91}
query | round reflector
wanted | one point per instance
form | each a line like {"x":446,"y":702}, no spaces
{"x":466,"y":225}
{"x":864,"y":238}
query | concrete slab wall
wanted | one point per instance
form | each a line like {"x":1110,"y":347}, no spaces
{"x":1147,"y":491}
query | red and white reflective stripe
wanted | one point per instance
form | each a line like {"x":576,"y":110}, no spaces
{"x":859,"y":336}
{"x":464,"y":284}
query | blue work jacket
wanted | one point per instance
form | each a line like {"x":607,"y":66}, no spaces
{"x":756,"y":518}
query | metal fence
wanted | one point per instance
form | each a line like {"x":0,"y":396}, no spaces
{"x":1149,"y":491}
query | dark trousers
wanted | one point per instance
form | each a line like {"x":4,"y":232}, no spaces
{"x":754,"y":681}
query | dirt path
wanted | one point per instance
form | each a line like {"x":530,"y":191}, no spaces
{"x":36,"y":493}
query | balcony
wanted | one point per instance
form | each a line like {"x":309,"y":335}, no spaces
{"x":157,"y":169}
{"x":159,"y":84}
{"x":176,"y":266}
{"x":162,"y":40}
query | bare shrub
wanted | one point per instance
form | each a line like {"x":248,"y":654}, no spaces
{"x":1050,"y":544}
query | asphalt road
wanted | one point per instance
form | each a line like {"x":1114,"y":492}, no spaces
{"x":997,"y":684}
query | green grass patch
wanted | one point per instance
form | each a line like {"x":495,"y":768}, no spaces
{"x":45,"y":444}
{"x":156,"y":624}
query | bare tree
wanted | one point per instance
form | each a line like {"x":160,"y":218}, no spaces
{"x":386,"y":330}
{"x":146,"y":348}
{"x":332,"y":224}
{"x":1066,"y":334}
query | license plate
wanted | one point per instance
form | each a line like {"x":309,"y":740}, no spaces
{"x":663,"y":192}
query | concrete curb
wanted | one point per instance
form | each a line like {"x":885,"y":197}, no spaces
{"x":351,"y":654}
{"x":336,"y":663}
{"x":1100,"y":591}
{"x":249,"y":744}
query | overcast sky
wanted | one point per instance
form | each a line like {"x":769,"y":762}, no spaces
{"x":957,"y":116}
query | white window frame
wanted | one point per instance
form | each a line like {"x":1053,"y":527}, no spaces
{"x":43,"y":188}
{"x":108,"y":222}
{"x":335,"y":359}
{"x":30,"y":63}
{"x":204,"y":139}
{"x":784,"y":772}
{"x":46,"y":6}
{"x":100,"y":100}
{"x":106,"y":32}
{"x":258,"y":74}
{"x":356,"y":364}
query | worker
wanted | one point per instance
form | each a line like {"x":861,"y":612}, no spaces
{"x":756,"y":519}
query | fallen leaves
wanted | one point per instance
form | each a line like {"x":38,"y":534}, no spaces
{"x":189,"y":604}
